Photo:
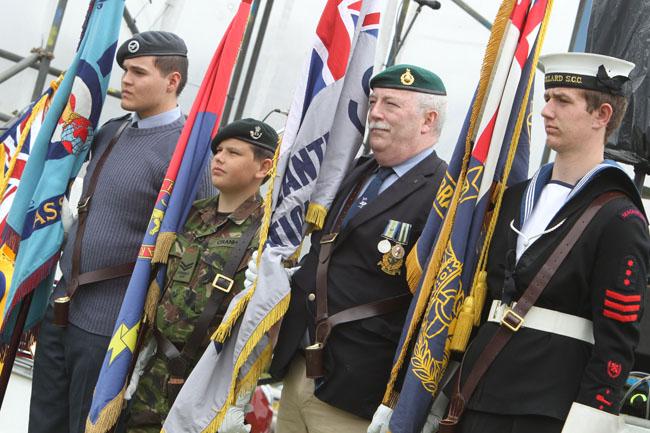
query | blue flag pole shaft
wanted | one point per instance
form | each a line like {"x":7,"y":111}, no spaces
{"x":13,"y":346}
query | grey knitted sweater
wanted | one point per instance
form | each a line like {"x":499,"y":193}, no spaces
{"x":119,"y":213}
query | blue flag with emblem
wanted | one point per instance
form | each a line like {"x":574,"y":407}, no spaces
{"x":447,"y":265}
{"x":174,"y":201}
{"x":33,"y":230}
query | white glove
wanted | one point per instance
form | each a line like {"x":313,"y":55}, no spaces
{"x":67,"y":218}
{"x":380,"y":420}
{"x":583,"y":418}
{"x":251,"y":272}
{"x":233,"y":422}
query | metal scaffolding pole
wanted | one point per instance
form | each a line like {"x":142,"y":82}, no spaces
{"x":51,"y":71}
{"x":21,"y":65}
{"x":259,"y":40}
{"x":477,"y":16}
{"x":392,"y":54}
{"x":47,"y":56}
{"x":130,"y":21}
{"x":239,"y":66}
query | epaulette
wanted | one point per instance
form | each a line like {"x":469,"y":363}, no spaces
{"x":117,"y":119}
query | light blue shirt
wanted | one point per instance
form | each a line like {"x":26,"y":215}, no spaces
{"x":401,"y":169}
{"x":162,"y":119}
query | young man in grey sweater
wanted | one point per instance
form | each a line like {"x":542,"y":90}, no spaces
{"x":128,"y":163}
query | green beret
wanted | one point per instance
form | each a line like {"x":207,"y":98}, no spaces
{"x":152,"y":43}
{"x":409,"y":77}
{"x":250,"y":130}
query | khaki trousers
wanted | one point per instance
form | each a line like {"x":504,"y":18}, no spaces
{"x":302,"y":412}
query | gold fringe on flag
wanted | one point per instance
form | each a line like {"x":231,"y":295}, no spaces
{"x":108,"y":416}
{"x":265,"y":325}
{"x":151,"y":302}
{"x":315,"y":216}
{"x":164,"y":243}
{"x":413,"y":269}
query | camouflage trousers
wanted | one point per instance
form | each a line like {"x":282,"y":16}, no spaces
{"x":152,"y":400}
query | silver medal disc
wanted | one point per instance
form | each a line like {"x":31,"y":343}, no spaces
{"x":383,"y":246}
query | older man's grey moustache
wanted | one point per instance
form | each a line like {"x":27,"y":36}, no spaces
{"x":379,"y":125}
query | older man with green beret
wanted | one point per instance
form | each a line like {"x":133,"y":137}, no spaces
{"x":205,"y":269}
{"x":350,"y":296}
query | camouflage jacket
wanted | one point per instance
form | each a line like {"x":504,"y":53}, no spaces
{"x":200,"y":252}
{"x":197,"y":256}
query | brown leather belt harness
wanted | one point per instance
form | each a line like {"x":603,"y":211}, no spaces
{"x":324,"y":322}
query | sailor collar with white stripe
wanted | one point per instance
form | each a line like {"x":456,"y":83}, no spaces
{"x":543,"y":176}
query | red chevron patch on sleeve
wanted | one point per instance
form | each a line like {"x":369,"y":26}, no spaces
{"x":620,"y":307}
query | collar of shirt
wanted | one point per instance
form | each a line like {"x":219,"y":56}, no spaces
{"x":238,"y":216}
{"x":161,"y":119}
{"x":401,"y":169}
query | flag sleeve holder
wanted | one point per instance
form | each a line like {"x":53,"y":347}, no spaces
{"x":516,"y":315}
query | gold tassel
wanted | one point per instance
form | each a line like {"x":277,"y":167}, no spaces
{"x":479,"y":293}
{"x":108,"y":416}
{"x":164,"y":245}
{"x":315,"y":216}
{"x":151,"y":303}
{"x":463,"y":328}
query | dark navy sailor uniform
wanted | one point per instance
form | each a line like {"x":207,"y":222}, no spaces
{"x":603,"y":279}
{"x":358,"y":355}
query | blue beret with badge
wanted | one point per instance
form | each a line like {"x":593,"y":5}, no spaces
{"x":409,"y":77}
{"x":151,"y":43}
{"x":252,"y":131}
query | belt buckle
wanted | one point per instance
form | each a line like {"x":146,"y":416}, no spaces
{"x":328,"y":238}
{"x":82,"y":205}
{"x":217,"y":280}
{"x":173,"y":380}
{"x":514,"y":317}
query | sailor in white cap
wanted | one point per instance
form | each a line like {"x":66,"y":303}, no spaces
{"x":566,"y":359}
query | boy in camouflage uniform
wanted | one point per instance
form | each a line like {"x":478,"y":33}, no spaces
{"x":243,"y":155}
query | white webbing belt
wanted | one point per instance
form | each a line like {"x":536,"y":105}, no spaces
{"x":551,"y":321}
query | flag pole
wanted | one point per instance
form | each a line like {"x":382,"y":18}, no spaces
{"x":12,"y":349}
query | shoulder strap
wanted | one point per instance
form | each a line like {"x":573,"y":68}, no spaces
{"x":84,"y":204}
{"x":515,"y":317}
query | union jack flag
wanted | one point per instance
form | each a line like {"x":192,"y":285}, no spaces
{"x":16,"y":143}
{"x":491,"y":152}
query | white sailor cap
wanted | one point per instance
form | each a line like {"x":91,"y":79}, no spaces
{"x":586,"y":71}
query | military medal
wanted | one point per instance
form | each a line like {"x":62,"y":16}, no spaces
{"x":396,"y":235}
{"x":384,"y":246}
{"x":397,"y":252}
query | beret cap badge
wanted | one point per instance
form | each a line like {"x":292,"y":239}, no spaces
{"x":133,"y":46}
{"x":407,"y":78}
{"x":256,"y":134}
